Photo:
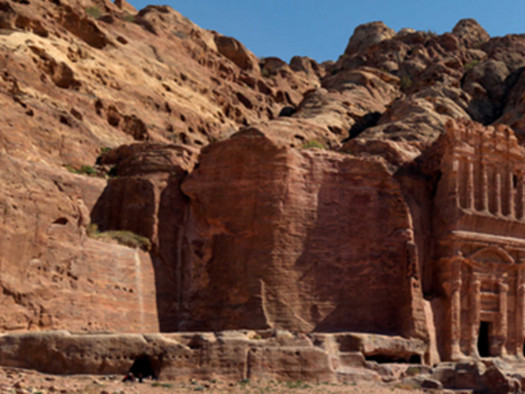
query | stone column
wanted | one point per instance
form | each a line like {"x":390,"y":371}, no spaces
{"x":520,"y":198}
{"x":469,"y":198}
{"x":455,"y":174}
{"x":497,"y":193}
{"x":453,"y":289}
{"x":520,"y":318}
{"x":501,"y":337}
{"x":484,"y":187}
{"x":475,"y":309}
{"x":510,"y":193}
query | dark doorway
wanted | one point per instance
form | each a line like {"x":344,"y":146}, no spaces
{"x":483,"y":339}
{"x":144,"y":367}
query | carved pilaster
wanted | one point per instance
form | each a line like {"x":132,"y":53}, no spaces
{"x":484,"y":187}
{"x":509,"y":187}
{"x":469,"y":198}
{"x":455,"y":171}
{"x":497,"y":193}
{"x":453,"y":289}
{"x":501,"y":336}
{"x":475,"y":310}
{"x":520,"y":329}
{"x":521,"y":198}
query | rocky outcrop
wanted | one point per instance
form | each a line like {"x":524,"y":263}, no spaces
{"x":367,"y":35}
{"x":286,"y":236}
{"x":253,"y":356}
{"x":74,"y":84}
{"x":228,"y":356}
{"x":235,"y":51}
{"x":145,"y":198}
{"x":257,"y":195}
{"x":470,"y":33}
{"x":54,"y":276}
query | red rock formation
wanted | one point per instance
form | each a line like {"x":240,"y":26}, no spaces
{"x":229,"y":356}
{"x":478,"y":229}
{"x":65,"y":95}
{"x":51,"y":273}
{"x":394,"y":227}
{"x":293,"y":240}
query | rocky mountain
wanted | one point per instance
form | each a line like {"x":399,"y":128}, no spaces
{"x":159,"y":177}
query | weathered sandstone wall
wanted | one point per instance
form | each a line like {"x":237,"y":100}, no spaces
{"x":252,"y":228}
{"x":227,"y":355}
{"x":303,"y":240}
{"x":51,"y":273}
{"x":146,"y":199}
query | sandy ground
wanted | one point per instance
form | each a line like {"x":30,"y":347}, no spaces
{"x":20,"y":381}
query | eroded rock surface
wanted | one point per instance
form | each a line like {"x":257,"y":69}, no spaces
{"x":264,"y":195}
{"x":299,"y":265}
{"x":255,"y":356}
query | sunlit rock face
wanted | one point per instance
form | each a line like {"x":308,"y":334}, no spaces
{"x":158,"y":177}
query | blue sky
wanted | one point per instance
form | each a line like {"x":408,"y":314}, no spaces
{"x":321,"y":29}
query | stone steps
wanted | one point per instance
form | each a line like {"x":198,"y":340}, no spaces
{"x":351,"y":359}
{"x":351,"y":374}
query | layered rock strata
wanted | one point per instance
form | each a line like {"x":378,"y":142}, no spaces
{"x":255,"y":356}
{"x":227,"y":355}
{"x":356,"y":195}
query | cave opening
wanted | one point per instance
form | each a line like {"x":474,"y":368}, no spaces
{"x":144,"y":367}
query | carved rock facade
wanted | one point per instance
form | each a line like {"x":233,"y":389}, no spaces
{"x":322,"y":241}
{"x":479,"y":234}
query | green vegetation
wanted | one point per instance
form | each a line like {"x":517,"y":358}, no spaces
{"x":101,"y":171}
{"x":431,"y":33}
{"x":265,"y":73}
{"x":412,"y":371}
{"x":129,"y":18}
{"x":469,"y":66}
{"x":83,"y":170}
{"x":313,"y":144}
{"x":478,"y":45}
{"x":405,"y":82}
{"x":94,"y":12}
{"x":297,"y":385}
{"x":407,"y":386}
{"x":126,"y":238}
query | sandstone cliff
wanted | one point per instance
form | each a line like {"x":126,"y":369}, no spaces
{"x":265,"y":195}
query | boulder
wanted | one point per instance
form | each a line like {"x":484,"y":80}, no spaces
{"x":8,"y":15}
{"x":233,"y":50}
{"x":485,"y":82}
{"x":470,"y":33}
{"x":367,"y":35}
